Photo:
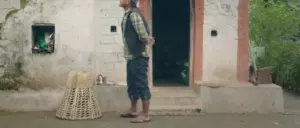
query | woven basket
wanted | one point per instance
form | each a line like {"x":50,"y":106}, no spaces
{"x":79,"y":102}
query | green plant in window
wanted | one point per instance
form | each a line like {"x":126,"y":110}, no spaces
{"x":42,"y":43}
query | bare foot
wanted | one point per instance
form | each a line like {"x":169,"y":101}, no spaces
{"x":141,"y":119}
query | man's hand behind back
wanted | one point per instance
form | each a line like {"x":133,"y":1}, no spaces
{"x":151,"y":40}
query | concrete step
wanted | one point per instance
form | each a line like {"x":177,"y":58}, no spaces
{"x":172,"y":92}
{"x":174,"y":96}
{"x":189,"y":110}
{"x":175,"y":101}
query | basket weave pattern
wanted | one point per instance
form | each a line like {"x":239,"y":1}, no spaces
{"x":79,"y":102}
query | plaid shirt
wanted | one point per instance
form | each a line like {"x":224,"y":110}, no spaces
{"x":139,"y":27}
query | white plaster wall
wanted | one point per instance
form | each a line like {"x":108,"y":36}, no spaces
{"x":74,"y":47}
{"x":83,"y":40}
{"x":220,"y":53}
{"x":109,"y":45}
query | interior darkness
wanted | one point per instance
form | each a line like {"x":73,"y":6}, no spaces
{"x":171,"y":29}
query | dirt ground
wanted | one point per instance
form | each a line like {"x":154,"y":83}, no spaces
{"x":111,"y":120}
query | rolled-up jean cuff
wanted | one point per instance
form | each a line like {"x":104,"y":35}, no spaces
{"x":145,"y":95}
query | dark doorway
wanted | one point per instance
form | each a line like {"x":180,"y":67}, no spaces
{"x":171,"y":29}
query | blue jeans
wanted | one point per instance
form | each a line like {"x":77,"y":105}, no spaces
{"x":137,"y":79}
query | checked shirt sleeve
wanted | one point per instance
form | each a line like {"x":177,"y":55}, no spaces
{"x":139,"y":26}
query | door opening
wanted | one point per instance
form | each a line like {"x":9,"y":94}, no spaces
{"x":171,"y":53}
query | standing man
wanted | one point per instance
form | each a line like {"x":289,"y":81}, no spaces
{"x":136,"y":48}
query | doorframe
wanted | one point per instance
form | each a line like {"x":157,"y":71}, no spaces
{"x":192,"y":42}
{"x":146,"y":8}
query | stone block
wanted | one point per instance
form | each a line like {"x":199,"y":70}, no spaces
{"x":262,"y":99}
{"x":102,"y":49}
{"x":112,"y":98}
{"x":264,"y":76}
{"x":121,"y":57}
{"x":119,"y":38}
{"x":110,"y":57}
{"x":109,"y":21}
{"x":110,"y":13}
{"x":45,"y":100}
{"x":108,"y":67}
{"x":116,"y":76}
{"x":107,"y":40}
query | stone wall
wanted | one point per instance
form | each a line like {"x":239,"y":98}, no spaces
{"x":109,"y":45}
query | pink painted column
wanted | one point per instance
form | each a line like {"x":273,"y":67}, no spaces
{"x":243,"y":41}
{"x":198,"y":42}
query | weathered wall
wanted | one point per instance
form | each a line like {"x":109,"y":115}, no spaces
{"x":74,"y":45}
{"x":220,"y":52}
{"x":6,"y":6}
{"x":84,"y":40}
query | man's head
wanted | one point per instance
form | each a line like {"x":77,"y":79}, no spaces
{"x":128,"y":3}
